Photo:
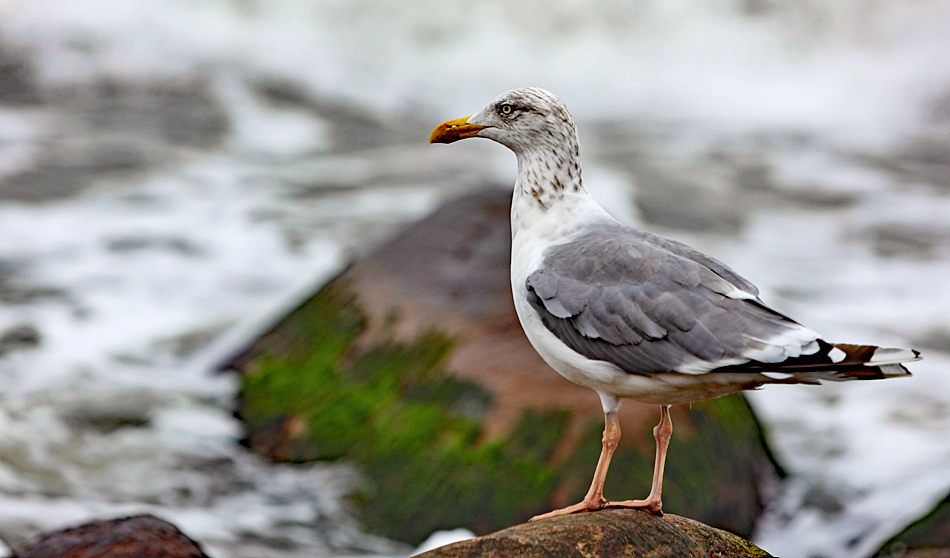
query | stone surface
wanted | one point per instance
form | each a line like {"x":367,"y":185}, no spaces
{"x":605,"y":534}
{"x":140,"y":536}
{"x":924,"y":553}
{"x":412,"y":363}
{"x":17,"y":337}
{"x":928,"y":537}
{"x":105,"y":131}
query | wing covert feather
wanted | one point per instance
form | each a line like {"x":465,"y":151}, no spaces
{"x":648,"y":304}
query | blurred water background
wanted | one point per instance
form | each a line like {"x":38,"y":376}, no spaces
{"x":175,"y":173}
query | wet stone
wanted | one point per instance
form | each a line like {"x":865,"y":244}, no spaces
{"x":604,"y":534}
{"x":824,"y":499}
{"x":17,"y":79}
{"x":818,"y":197}
{"x":900,"y":240}
{"x":190,"y":342}
{"x":108,"y":414}
{"x":178,"y":245}
{"x":186,"y":114}
{"x":40,"y":477}
{"x":140,"y":536}
{"x":684,"y":207}
{"x":108,"y":130}
{"x":351,"y":128}
{"x":922,"y":160}
{"x":928,"y":537}
{"x":19,"y":337}
{"x":12,"y":293}
{"x":928,"y":159}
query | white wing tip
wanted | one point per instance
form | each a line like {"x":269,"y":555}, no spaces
{"x":740,"y":294}
{"x":883,"y":356}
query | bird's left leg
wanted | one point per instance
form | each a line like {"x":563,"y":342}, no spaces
{"x":662,"y":432}
{"x":595,"y":496}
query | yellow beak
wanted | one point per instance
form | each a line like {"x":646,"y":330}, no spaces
{"x":454,"y":130}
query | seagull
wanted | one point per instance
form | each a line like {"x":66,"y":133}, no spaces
{"x":630,"y":314}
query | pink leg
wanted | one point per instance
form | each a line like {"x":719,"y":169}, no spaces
{"x":662,"y":433}
{"x":595,"y":496}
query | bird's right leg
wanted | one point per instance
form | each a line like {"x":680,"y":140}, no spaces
{"x":595,"y":496}
{"x":662,"y":433}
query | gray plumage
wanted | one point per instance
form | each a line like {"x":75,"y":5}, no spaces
{"x":648,"y":304}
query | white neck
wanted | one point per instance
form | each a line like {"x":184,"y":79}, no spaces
{"x":546,"y":175}
{"x":550,"y":194}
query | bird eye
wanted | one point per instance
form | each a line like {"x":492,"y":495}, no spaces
{"x":506,"y":109}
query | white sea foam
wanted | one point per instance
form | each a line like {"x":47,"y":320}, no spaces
{"x":860,"y":71}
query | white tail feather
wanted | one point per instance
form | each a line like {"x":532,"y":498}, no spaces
{"x":884,"y":356}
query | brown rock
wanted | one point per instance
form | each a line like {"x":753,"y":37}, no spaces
{"x":925,"y":553}
{"x":139,"y":536}
{"x":607,"y":534}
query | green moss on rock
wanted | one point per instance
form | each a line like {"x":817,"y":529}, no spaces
{"x":392,"y":409}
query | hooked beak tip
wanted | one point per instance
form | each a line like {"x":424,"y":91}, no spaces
{"x":454,"y":130}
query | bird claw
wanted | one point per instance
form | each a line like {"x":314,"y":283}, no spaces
{"x":649,"y":505}
{"x":580,"y":507}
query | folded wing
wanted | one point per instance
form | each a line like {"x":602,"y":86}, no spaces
{"x":649,"y":304}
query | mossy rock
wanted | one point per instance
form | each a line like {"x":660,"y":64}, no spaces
{"x":393,"y":409}
{"x":412,"y":365}
{"x":929,"y":536}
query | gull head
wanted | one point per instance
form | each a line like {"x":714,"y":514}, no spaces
{"x":521,"y":120}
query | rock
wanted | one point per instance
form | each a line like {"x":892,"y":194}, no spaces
{"x":928,"y":537}
{"x":923,"y":553}
{"x":140,"y":536}
{"x":106,"y":413}
{"x":412,"y":364}
{"x":901,"y":240}
{"x":607,"y":534}
{"x":17,"y":337}
{"x":17,"y":77}
{"x":109,"y":130}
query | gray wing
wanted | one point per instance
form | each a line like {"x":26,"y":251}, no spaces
{"x":649,"y":304}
